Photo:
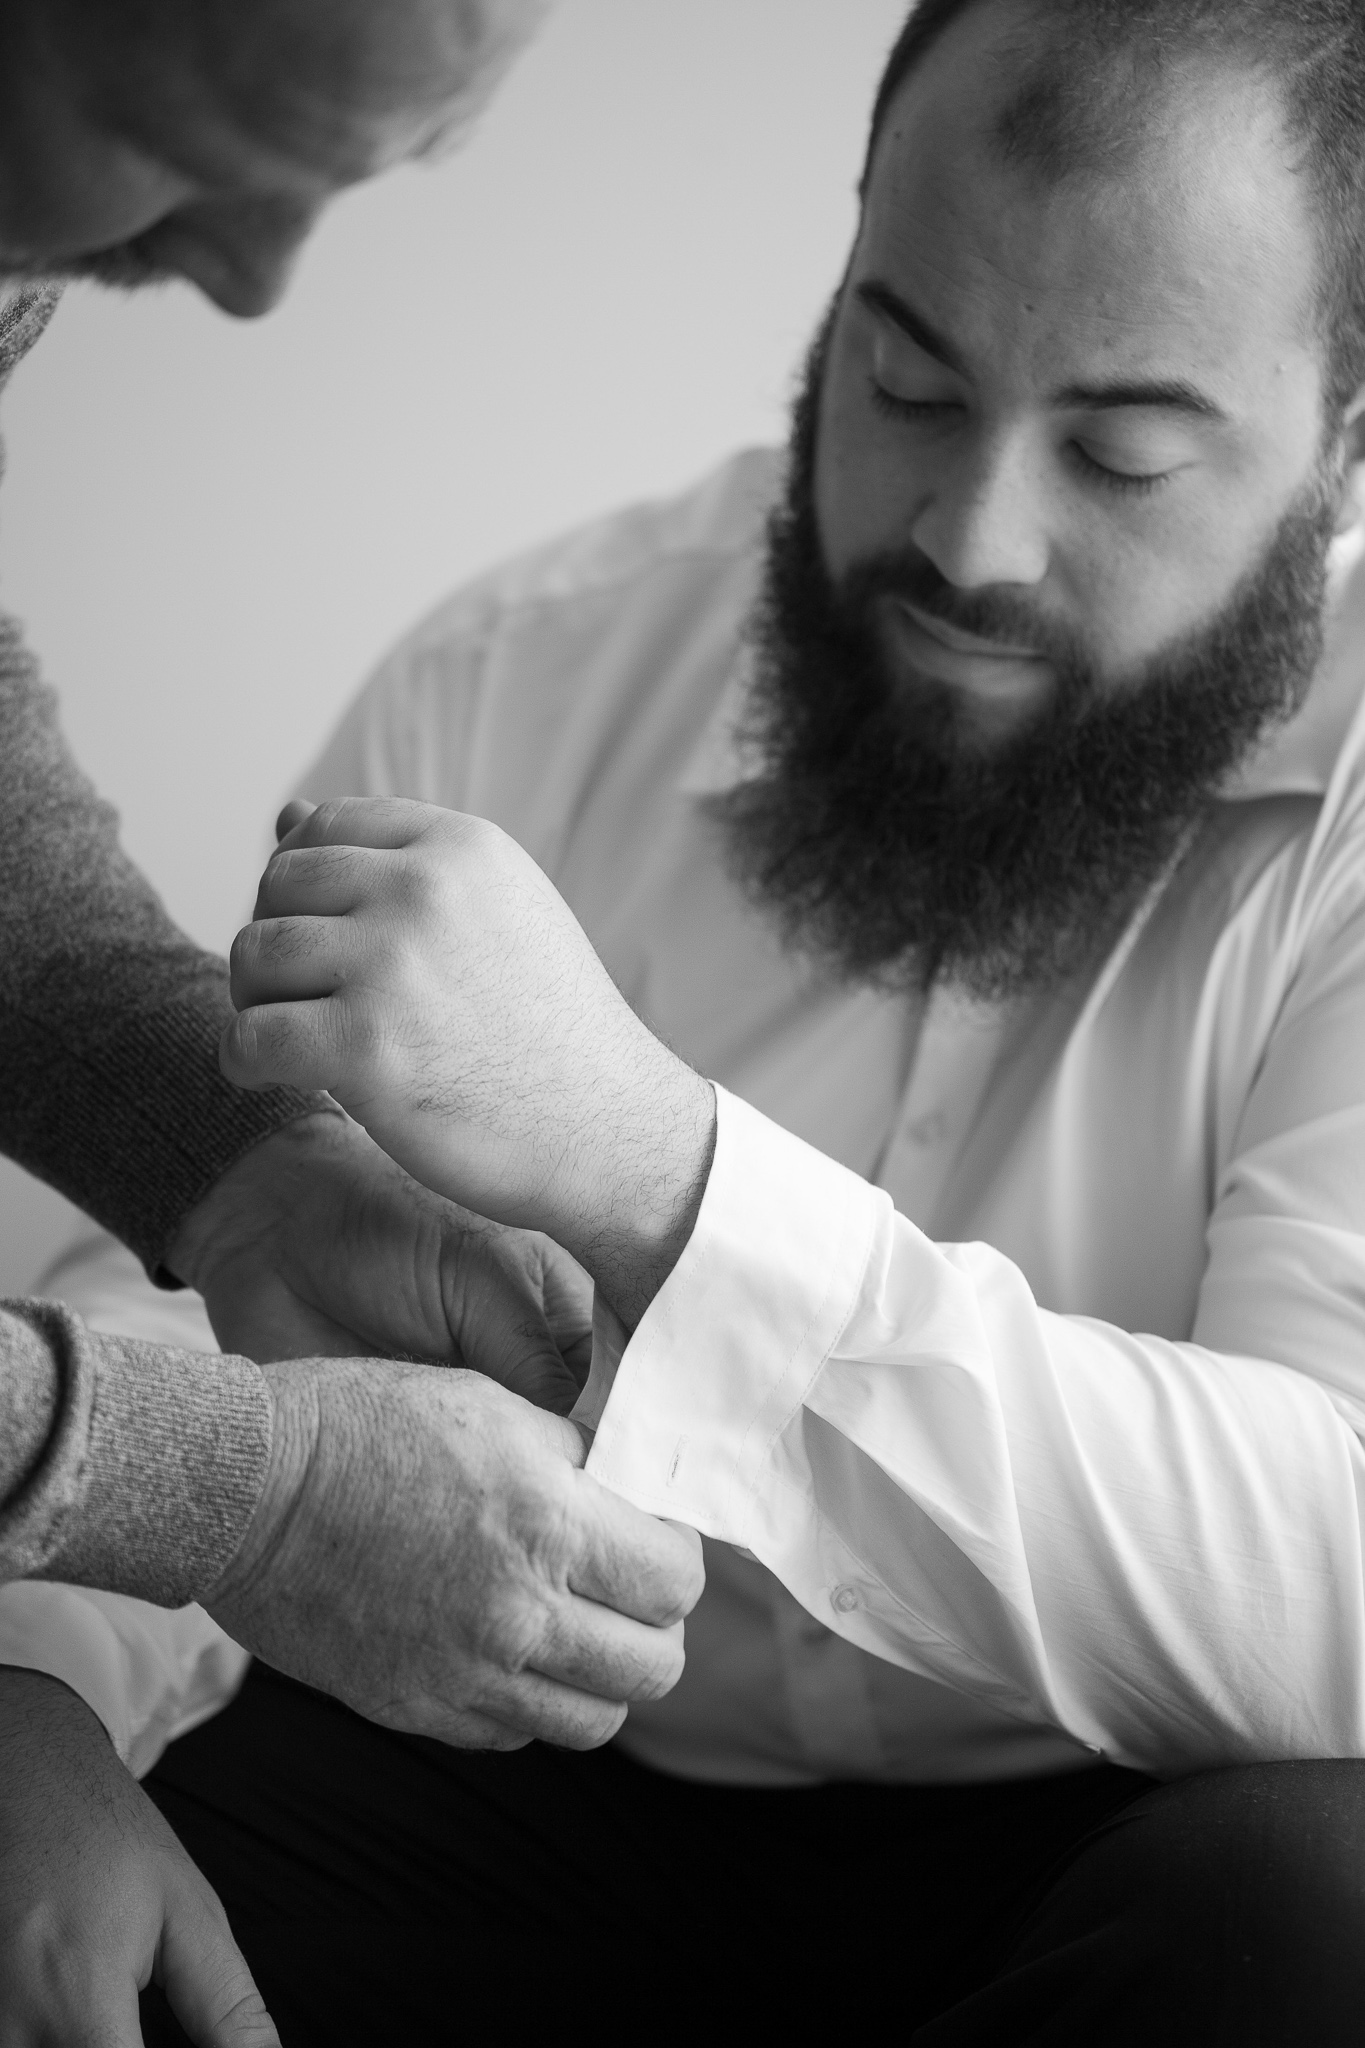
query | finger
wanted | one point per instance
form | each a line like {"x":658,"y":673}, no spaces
{"x":321,"y":881}
{"x":289,"y":959}
{"x":567,"y":1294}
{"x":295,"y":811}
{"x":205,"y":1977}
{"x":457,"y":1727}
{"x":377,"y":821}
{"x":516,"y":1707}
{"x":539,"y":1375}
{"x":283,"y":1045}
{"x":592,"y":1649}
{"x":541,"y":1707}
{"x":632,"y":1562}
{"x":512,"y":1343}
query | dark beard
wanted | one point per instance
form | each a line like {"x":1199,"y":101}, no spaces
{"x":895,"y":847}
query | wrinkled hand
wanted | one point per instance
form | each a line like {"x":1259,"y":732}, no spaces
{"x":97,"y":1897}
{"x":418,"y":964}
{"x":428,"y":1549}
{"x":315,"y":1244}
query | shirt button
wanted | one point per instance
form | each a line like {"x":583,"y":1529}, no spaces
{"x":927,"y":1130}
{"x":844,"y":1599}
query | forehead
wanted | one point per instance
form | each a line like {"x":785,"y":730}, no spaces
{"x":320,"y":92}
{"x":1189,"y":255}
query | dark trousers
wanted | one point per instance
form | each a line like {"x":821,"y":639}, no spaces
{"x":386,"y":1889}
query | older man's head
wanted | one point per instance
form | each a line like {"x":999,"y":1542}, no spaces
{"x":201,"y":138}
{"x":1071,"y":451}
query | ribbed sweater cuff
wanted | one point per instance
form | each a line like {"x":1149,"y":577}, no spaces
{"x":151,"y":1470}
{"x":136,"y":1126}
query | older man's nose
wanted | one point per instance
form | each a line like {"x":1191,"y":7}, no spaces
{"x":239,"y":252}
{"x":983,"y":523}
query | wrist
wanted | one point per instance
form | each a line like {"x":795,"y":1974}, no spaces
{"x":35,"y":1700}
{"x":649,"y":1187}
{"x":259,"y":1185}
{"x":295,"y":1406}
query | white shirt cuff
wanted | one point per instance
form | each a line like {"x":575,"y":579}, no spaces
{"x":689,"y":1412}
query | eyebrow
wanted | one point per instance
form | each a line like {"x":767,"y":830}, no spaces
{"x":1161,"y":394}
{"x":1168,"y":394}
{"x":882,"y":299}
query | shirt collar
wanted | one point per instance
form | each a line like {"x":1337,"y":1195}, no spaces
{"x":1297,"y":759}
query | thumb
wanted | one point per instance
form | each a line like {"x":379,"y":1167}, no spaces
{"x":540,"y":1376}
{"x":206,"y":1980}
{"x":295,"y":811}
{"x":520,"y":1353}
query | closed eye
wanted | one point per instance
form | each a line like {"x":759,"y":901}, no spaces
{"x":927,"y":411}
{"x":892,"y":408}
{"x":1123,"y":480}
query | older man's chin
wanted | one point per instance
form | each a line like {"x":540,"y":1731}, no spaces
{"x":125,"y":267}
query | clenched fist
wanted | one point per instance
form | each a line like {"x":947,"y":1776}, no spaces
{"x":417,"y":964}
{"x":428,"y":1548}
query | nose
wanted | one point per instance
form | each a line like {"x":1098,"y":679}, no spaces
{"x":240,"y":252}
{"x":982,"y":522}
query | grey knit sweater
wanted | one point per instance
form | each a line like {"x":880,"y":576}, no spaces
{"x":122,"y":1464}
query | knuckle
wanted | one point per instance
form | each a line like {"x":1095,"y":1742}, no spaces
{"x":595,"y":1726}
{"x":288,"y":941}
{"x":684,"y":1580}
{"x":328,"y":817}
{"x":274,"y":875}
{"x":419,"y":883}
{"x":353,"y":1028}
{"x":239,"y":1046}
{"x":328,"y":867}
{"x":511,"y":1638}
{"x":663,"y":1667}
{"x":244,"y":953}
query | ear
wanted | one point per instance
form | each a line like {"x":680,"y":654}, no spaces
{"x":1352,"y":508}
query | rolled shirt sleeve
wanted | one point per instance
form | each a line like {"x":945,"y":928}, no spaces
{"x":1154,"y":1547}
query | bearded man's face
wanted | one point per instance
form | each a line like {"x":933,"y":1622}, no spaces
{"x":1052,"y":556}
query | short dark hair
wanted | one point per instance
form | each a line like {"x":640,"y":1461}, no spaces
{"x":1312,"y":51}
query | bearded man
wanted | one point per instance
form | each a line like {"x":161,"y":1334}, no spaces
{"x":983,"y":813}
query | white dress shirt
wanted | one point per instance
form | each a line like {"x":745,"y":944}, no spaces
{"x":1022,"y":1348}
{"x":1015,"y":1368}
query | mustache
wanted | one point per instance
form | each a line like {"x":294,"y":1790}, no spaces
{"x":991,"y":614}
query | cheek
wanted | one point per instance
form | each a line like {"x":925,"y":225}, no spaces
{"x":1132,"y":585}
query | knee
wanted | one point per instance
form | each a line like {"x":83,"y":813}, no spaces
{"x":1265,"y":1846}
{"x":1246,"y":1889}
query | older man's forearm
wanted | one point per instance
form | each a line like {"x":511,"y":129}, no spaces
{"x":123,"y":1464}
{"x":109,"y":1015}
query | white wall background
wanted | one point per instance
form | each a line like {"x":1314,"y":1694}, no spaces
{"x":212,"y":529}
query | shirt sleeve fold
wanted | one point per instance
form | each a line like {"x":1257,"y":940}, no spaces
{"x":1150,"y":1546}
